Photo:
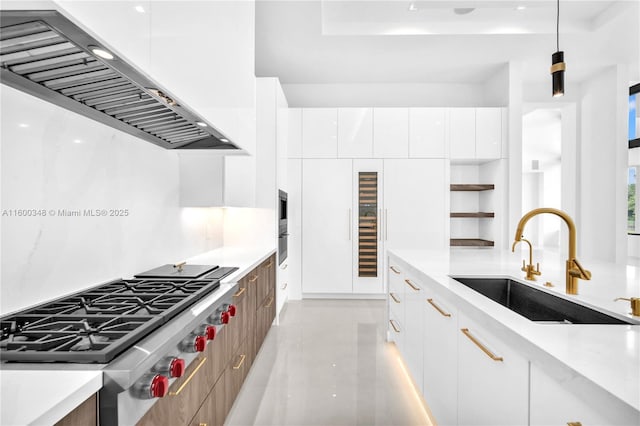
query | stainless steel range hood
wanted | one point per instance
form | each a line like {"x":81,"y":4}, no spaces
{"x":48,"y":56}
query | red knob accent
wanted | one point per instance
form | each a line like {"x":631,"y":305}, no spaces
{"x":232,"y":310}
{"x":200,"y":343}
{"x":176,"y":369}
{"x":159,"y":386}
{"x":224,"y":317}
{"x":210,"y":332}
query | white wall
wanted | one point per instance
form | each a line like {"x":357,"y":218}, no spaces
{"x":385,"y":95}
{"x":52,"y":160}
{"x":603,"y":159}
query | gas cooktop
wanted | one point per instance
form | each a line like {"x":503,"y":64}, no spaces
{"x":95,"y":325}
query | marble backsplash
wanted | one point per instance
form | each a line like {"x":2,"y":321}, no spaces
{"x":83,"y":203}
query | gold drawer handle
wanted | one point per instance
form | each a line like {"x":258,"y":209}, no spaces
{"x":438,"y":308}
{"x":268,"y":305}
{"x":242,"y":290}
{"x":574,"y":424}
{"x":412,"y":285}
{"x":253,"y":279}
{"x":285,"y":286}
{"x":270,"y":264}
{"x":202,"y":424}
{"x":395,"y":327}
{"x":237,"y":367}
{"x":480,"y":345}
{"x":186,"y":382}
{"x":394,"y":269}
{"x":395,"y":299}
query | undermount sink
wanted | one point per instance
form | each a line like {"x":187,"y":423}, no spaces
{"x":536,"y":305}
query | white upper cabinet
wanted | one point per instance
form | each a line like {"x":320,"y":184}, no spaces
{"x":475,"y":133}
{"x":462,"y":131}
{"x":427,"y":133}
{"x":355,"y":132}
{"x":319,"y":132}
{"x":391,"y":132}
{"x":294,"y":149}
{"x":488,"y":133}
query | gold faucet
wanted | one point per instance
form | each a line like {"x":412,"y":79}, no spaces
{"x":531,"y":273}
{"x":574,"y":270}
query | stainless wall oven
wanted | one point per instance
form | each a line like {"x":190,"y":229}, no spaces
{"x":283,"y":231}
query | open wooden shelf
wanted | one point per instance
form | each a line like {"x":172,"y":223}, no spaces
{"x":470,"y":242}
{"x":471,"y":187}
{"x":478,"y":214}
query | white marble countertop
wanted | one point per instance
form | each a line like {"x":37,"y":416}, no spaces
{"x":34,"y":394}
{"x":43,"y":397}
{"x":607,"y":355}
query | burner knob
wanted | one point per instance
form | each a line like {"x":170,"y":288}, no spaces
{"x":232,"y":310}
{"x":159,"y":386}
{"x":200,"y":343}
{"x":194,"y":343}
{"x":220,"y":317}
{"x":210,"y":332}
{"x":177,"y":367}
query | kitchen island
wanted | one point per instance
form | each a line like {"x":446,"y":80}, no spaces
{"x":530,"y":372}
{"x":44,"y":393}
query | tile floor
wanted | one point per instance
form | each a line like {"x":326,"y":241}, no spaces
{"x":328,"y":363}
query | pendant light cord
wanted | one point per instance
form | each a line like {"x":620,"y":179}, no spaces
{"x":558,"y":26}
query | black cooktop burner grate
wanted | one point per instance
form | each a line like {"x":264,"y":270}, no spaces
{"x":95,"y":325}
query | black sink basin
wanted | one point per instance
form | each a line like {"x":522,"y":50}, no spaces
{"x":534,"y":304}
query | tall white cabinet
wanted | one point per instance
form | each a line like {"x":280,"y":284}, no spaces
{"x":327,"y":224}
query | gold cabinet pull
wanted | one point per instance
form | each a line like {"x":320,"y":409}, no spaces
{"x":412,"y":285}
{"x":574,"y":424}
{"x":186,"y":382}
{"x":202,"y":424}
{"x":268,"y":305}
{"x":395,"y":326}
{"x":285,"y":286}
{"x":242,"y":290}
{"x":438,"y":308}
{"x":394,"y":269}
{"x":270,"y":264}
{"x":480,"y":345}
{"x":237,"y":367}
{"x":393,"y":296}
{"x":253,"y":279}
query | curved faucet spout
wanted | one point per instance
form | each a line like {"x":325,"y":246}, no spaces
{"x":574,"y":270}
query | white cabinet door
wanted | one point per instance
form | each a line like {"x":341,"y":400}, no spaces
{"x":320,"y":133}
{"x":427,"y":132}
{"x":294,"y":223}
{"x":462,"y":133}
{"x":294,"y":149}
{"x":415,"y":213}
{"x":413,"y":324}
{"x":282,"y":136}
{"x":493,"y":379}
{"x":567,"y":397}
{"x":391,"y":133}
{"x":326,"y":226}
{"x":488,"y":133}
{"x":440,"y":357}
{"x":355,"y":132}
{"x":367,"y":238}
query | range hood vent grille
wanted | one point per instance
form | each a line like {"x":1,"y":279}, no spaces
{"x":48,"y":56}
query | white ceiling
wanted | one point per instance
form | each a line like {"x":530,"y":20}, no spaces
{"x":335,"y":41}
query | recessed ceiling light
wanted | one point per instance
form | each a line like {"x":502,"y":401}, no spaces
{"x":77,"y":141}
{"x":521,"y":7}
{"x":23,"y":125}
{"x":224,"y":140}
{"x":139,"y":9}
{"x":98,"y":51}
{"x":413,"y":7}
{"x":463,"y":10}
{"x":201,"y":123}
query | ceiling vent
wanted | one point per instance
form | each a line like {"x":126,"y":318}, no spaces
{"x":46,"y":55}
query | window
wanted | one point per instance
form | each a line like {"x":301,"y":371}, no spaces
{"x":634,"y":116}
